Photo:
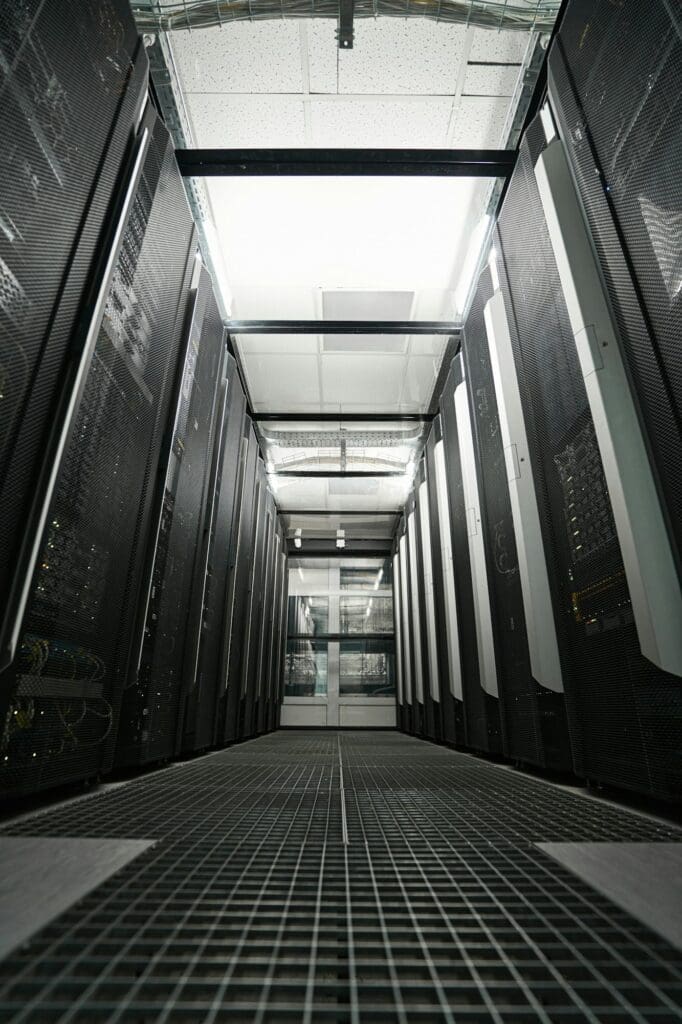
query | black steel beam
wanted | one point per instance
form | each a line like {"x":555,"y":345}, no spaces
{"x":383,"y":552}
{"x":342,"y":417}
{"x":336,"y":473}
{"x":340,"y":637}
{"x":337,"y":512}
{"x":469,"y":163}
{"x":342,"y":327}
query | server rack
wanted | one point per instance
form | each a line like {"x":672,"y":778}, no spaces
{"x":264,"y":635}
{"x":153,"y":700}
{"x":480,"y":710}
{"x":280,"y":634}
{"x":398,"y":632}
{"x":613,"y":76}
{"x":414,"y":623}
{"x":406,"y":709}
{"x":447,"y":634}
{"x":275,"y":628}
{"x":71,"y":98}
{"x":65,"y":684}
{"x":534,"y":726}
{"x":427,"y":624}
{"x":624,"y":712}
{"x":269,"y":630}
{"x":236,"y":621}
{"x":255,"y":601}
{"x":204,"y":697}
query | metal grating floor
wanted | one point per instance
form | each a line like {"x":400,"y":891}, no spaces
{"x":251,"y":907}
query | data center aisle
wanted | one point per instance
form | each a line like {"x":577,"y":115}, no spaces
{"x":252,"y":907}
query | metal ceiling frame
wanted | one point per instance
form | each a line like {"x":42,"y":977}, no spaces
{"x":343,"y":327}
{"x":342,"y":417}
{"x":326,"y":474}
{"x":432,"y":163}
{"x":339,"y":512}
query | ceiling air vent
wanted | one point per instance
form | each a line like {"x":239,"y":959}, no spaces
{"x":366,"y":305}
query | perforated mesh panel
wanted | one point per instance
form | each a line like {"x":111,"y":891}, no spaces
{"x":71,"y":667}
{"x":236,"y":622}
{"x":151,"y":713}
{"x":202,"y":703}
{"x":624,"y":714}
{"x":250,"y":907}
{"x":518,"y":690}
{"x":68,"y":95}
{"x":480,"y":717}
{"x":615,"y":75}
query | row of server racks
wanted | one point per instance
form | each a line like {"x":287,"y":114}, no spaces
{"x":142,"y":564}
{"x":537,"y":566}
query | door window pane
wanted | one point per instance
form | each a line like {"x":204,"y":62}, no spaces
{"x":366,"y":668}
{"x":308,"y":615}
{"x":377,"y":577}
{"x":305,"y":673}
{"x":370,"y":614}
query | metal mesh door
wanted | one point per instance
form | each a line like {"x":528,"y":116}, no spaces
{"x":71,"y":82}
{"x":152,"y":709}
{"x":480,"y":717}
{"x":69,"y":673}
{"x":614,"y":77}
{"x":624,"y":714}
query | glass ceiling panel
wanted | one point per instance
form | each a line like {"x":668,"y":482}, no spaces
{"x":304,"y":373}
{"x":338,"y":493}
{"x":324,"y":527}
{"x":349,"y":248}
{"x":353,"y":447}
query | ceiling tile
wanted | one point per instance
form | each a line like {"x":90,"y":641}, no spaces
{"x":490,"y":80}
{"x":276,"y":344}
{"x":244,"y":57}
{"x":362,"y":378}
{"x":381,"y":123}
{"x":221,"y":121}
{"x":395,"y":55}
{"x":478,"y":122}
{"x":420,"y":379}
{"x":323,"y":54}
{"x":490,"y":45}
{"x":284,"y":381}
{"x":347,"y":304}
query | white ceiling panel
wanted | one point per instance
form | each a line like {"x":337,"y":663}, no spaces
{"x":380,"y":123}
{"x":323,"y":54}
{"x":221,"y":121}
{"x":389,"y":55}
{"x":364,"y":378}
{"x":378,"y":234}
{"x":384,"y":493}
{"x":283,"y":381}
{"x":478,"y":122}
{"x":505,"y":47}
{"x":420,"y":378}
{"x":490,"y":80}
{"x":276,"y":344}
{"x":242,"y":57}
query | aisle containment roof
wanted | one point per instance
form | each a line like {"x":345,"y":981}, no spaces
{"x":373,"y":248}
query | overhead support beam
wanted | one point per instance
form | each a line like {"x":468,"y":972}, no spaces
{"x":325,"y":474}
{"x":342,"y":327}
{"x":382,"y":552}
{"x":345,"y":30}
{"x":433,"y":163}
{"x":342,"y":417}
{"x":297,"y":512}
